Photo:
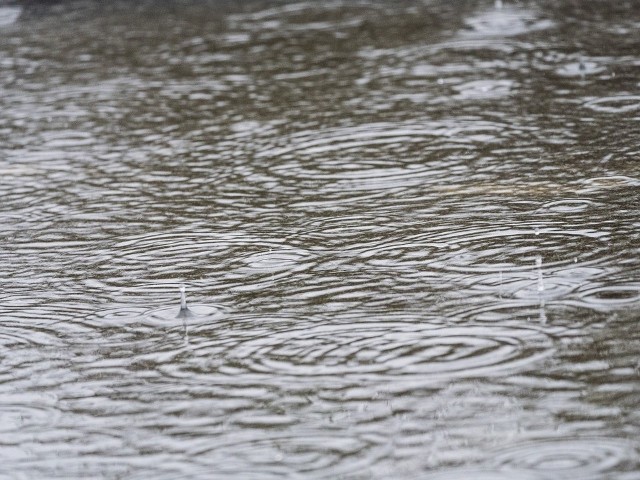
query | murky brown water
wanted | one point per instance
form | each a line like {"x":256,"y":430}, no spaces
{"x":409,"y":233}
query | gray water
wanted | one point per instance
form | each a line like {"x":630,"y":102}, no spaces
{"x":408,"y":231}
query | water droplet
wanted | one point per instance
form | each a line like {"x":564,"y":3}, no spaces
{"x":540,"y":279}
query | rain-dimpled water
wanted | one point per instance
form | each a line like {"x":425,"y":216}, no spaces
{"x":320,"y":240}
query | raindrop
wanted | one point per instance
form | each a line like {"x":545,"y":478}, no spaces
{"x":543,"y":312}
{"x":540,"y":279}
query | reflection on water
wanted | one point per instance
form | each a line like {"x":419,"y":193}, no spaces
{"x":409,"y":236}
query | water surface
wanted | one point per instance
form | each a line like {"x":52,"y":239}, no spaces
{"x":408,"y":232}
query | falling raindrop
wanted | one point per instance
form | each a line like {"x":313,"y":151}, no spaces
{"x":543,"y":313}
{"x":540,"y":279}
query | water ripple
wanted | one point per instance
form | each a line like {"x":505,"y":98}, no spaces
{"x":483,"y":474}
{"x":312,"y":453}
{"x":9,"y":15}
{"x":506,"y":21}
{"x":565,"y":458}
{"x":581,"y":68}
{"x":482,"y":249}
{"x":616,"y":104}
{"x":605,"y":296}
{"x":375,"y":349}
{"x":484,"y":89}
{"x":27,"y":412}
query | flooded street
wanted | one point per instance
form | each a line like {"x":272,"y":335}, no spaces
{"x":409,"y":234}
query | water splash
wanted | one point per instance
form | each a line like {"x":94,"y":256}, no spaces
{"x":184,"y":310}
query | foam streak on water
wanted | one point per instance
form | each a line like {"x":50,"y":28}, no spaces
{"x":408,"y":230}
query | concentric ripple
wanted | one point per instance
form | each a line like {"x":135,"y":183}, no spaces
{"x":505,"y":21}
{"x":490,"y":249}
{"x":617,"y":104}
{"x":567,"y":206}
{"x":606,"y":297}
{"x":394,"y":349}
{"x":369,"y":156}
{"x":26,"y":412}
{"x":579,"y":69}
{"x":500,"y":256}
{"x":243,"y":253}
{"x":198,"y":313}
{"x":482,"y":474}
{"x":484,"y":89}
{"x":311,"y":453}
{"x":570,"y":458}
{"x":165,"y":316}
